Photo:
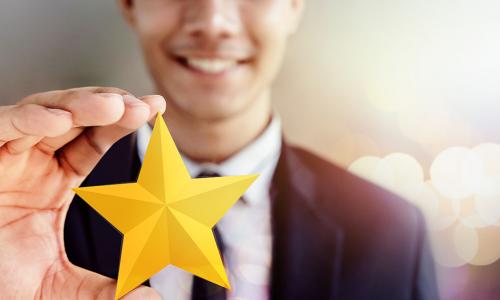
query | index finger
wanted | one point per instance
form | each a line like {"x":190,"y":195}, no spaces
{"x":88,"y":106}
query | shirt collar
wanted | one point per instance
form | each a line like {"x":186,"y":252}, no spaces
{"x":259,"y":157}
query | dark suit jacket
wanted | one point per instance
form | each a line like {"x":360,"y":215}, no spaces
{"x":335,"y":236}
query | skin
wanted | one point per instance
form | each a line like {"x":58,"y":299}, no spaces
{"x":205,"y":112}
{"x":50,"y":141}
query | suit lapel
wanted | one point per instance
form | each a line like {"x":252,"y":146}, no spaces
{"x":119,"y":165}
{"x":306,"y":246}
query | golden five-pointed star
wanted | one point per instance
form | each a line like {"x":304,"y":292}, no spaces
{"x":166,"y":217}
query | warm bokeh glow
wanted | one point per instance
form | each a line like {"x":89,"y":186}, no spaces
{"x":460,"y":200}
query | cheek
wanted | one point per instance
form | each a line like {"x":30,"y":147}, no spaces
{"x":155,"y":21}
{"x":268,"y":22}
{"x":267,"y":26}
{"x":267,"y":15}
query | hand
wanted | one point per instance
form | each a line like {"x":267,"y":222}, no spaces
{"x":49,"y":143}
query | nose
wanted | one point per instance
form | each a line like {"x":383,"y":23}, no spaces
{"x":211,"y":19}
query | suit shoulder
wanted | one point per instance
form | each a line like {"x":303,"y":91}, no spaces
{"x":353,"y":199}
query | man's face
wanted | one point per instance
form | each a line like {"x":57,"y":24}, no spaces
{"x":212,"y":59}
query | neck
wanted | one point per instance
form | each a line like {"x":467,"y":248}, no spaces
{"x":217,"y":140}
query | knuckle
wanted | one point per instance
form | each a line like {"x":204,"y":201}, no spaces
{"x":73,"y":97}
{"x":73,"y":94}
{"x":111,"y":90}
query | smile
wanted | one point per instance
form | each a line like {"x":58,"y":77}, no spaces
{"x":210,"y":66}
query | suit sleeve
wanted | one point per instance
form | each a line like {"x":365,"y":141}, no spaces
{"x":425,"y":283}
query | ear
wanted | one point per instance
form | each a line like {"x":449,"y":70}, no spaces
{"x":297,"y":10}
{"x":127,"y":9}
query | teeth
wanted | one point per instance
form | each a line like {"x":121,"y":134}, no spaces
{"x":211,"y":65}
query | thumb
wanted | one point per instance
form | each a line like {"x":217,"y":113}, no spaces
{"x":141,"y":293}
{"x":80,"y":284}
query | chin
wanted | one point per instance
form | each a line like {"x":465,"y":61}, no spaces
{"x":212,"y":108}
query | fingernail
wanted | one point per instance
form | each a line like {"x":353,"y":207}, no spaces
{"x":132,"y":101}
{"x":59,"y":112}
{"x":110,"y":95}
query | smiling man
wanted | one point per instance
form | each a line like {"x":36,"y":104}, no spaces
{"x":306,"y":229}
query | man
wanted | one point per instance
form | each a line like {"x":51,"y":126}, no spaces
{"x":305,"y":230}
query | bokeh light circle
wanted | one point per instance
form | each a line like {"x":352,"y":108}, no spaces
{"x":457,"y":172}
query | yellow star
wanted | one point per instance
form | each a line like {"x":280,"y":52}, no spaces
{"x":166,"y":217}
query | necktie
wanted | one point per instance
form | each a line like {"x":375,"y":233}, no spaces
{"x":203,"y":289}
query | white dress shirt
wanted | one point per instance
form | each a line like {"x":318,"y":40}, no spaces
{"x":246,"y":227}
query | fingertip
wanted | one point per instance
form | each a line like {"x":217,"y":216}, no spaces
{"x":156,"y":103}
{"x":136,"y":113}
{"x":132,"y":101}
{"x":95,"y":109}
{"x":138,"y":108}
{"x":112,"y":108}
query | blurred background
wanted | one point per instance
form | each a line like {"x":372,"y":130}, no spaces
{"x":404,"y":93}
